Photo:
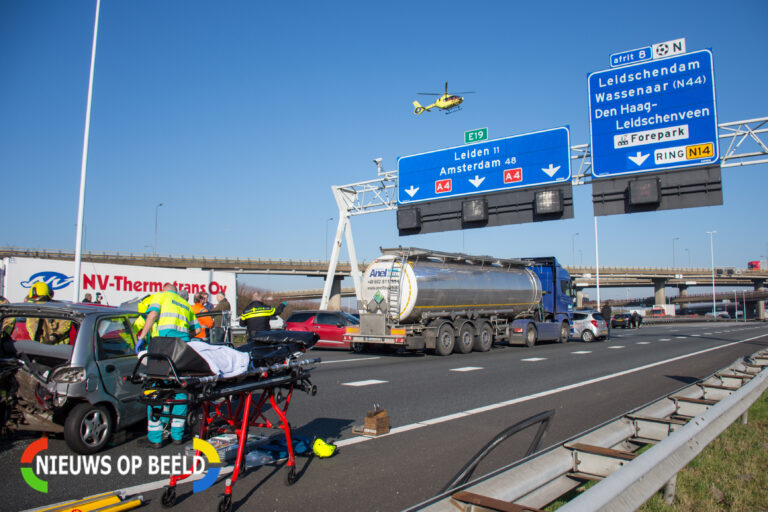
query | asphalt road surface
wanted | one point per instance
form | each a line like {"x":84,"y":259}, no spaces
{"x":442,"y":411}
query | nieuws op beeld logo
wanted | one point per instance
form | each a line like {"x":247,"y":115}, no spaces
{"x":36,"y":465}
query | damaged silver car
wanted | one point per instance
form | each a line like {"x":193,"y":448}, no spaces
{"x":79,"y":387}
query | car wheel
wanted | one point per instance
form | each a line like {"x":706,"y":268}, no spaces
{"x":88,"y":428}
{"x":530,"y":335}
{"x":587,"y":336}
{"x":565,"y":331}
{"x":484,"y":338}
{"x":466,"y":339}
{"x":446,"y":338}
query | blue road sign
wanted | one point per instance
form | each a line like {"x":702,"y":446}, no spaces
{"x":526,"y":160}
{"x":653,"y":116}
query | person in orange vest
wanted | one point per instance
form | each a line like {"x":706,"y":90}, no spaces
{"x":206,"y":322}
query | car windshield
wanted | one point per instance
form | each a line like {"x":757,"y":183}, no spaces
{"x":597,"y":316}
{"x":351,"y":319}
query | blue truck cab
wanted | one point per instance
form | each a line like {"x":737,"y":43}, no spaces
{"x":552,"y":320}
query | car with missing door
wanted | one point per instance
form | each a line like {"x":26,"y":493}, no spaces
{"x":79,"y":387}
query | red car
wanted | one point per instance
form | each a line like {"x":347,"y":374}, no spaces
{"x":329,"y":325}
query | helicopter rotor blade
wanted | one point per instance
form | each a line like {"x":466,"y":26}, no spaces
{"x":446,"y":88}
{"x":465,"y":92}
{"x":430,"y":93}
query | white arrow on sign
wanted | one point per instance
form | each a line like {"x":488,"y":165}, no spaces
{"x":550,"y":170}
{"x":639,"y":158}
{"x":477,"y":181}
{"x":412,"y":191}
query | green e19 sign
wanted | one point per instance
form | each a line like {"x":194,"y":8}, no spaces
{"x":475,"y":135}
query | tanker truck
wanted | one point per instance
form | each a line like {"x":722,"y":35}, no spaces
{"x":418,"y":299}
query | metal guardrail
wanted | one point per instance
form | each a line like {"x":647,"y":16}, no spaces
{"x":678,"y":426}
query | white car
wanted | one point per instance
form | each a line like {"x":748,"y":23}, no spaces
{"x":589,"y":325}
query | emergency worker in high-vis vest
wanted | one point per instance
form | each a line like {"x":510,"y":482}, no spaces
{"x":173,"y":318}
{"x":256,"y":314}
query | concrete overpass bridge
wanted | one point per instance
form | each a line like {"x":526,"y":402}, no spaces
{"x":583,"y":277}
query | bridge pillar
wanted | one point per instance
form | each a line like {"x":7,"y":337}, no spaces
{"x":579,"y":298}
{"x":659,"y":294}
{"x":760,"y":286}
{"x":334,"y":301}
{"x":683,"y":290}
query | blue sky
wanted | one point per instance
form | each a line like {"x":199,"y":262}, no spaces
{"x":239,"y":116}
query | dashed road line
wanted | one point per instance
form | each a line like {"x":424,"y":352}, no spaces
{"x":643,"y":343}
{"x":533,"y":359}
{"x":681,"y":337}
{"x":350,"y":360}
{"x":360,"y":383}
{"x":665,"y":339}
{"x":467,"y":369}
{"x":582,"y":352}
{"x":616,"y":346}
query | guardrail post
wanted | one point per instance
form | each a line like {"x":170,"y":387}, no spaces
{"x":745,"y":417}
{"x":669,"y":490}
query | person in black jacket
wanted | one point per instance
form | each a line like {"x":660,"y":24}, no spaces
{"x":256,"y":315}
{"x":605,"y":312}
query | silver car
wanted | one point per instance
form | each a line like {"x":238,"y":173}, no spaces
{"x":589,"y":325}
{"x":79,"y":387}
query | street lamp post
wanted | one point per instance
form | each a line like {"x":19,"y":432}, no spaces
{"x":712,"y":253}
{"x":689,"y":256}
{"x":573,"y":248}
{"x":673,"y":250}
{"x":154,"y":247}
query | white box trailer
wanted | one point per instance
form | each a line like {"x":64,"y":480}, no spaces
{"x":116,"y":283}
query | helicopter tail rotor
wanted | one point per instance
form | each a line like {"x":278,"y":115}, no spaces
{"x":418,"y":108}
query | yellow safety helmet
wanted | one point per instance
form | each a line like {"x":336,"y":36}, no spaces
{"x":323,"y":449}
{"x":40,"y":291}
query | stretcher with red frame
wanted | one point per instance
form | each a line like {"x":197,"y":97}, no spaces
{"x":229,"y":404}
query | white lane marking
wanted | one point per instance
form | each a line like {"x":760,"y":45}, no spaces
{"x":350,"y":360}
{"x":707,"y":334}
{"x":616,"y":346}
{"x":359,"y":383}
{"x":467,"y":369}
{"x":664,"y":339}
{"x":515,"y":401}
{"x":582,"y":352}
{"x":695,"y":335}
{"x":681,"y":337}
{"x":643,"y":343}
{"x":534,"y":359}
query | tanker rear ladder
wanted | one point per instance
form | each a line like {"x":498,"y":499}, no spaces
{"x":395,"y":279}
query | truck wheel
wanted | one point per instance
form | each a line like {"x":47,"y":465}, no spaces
{"x":358,"y":348}
{"x":587,"y":336}
{"x":530,"y":335}
{"x":446,"y":338}
{"x":87,"y":428}
{"x":565,"y":331}
{"x":484,"y":338}
{"x":466,"y":339}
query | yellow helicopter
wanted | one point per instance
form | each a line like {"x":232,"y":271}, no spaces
{"x":448,"y":102}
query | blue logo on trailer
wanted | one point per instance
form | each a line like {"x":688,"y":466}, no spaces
{"x":55,"y":280}
{"x":526,"y":160}
{"x":652,"y":116}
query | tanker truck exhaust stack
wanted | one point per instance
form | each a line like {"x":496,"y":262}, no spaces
{"x":450,"y":302}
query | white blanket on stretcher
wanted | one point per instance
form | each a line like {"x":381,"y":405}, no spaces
{"x":224,"y":361}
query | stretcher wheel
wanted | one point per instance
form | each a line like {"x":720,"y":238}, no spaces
{"x":225,"y":503}
{"x":290,"y":476}
{"x":169,"y":497}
